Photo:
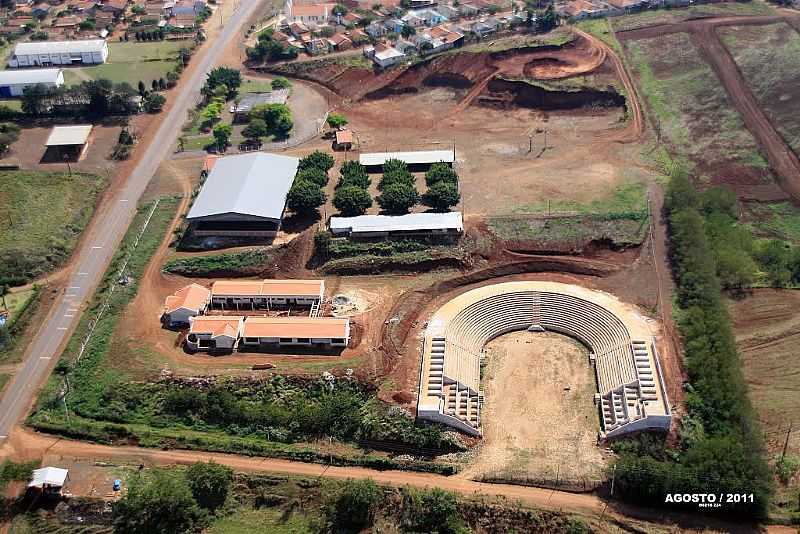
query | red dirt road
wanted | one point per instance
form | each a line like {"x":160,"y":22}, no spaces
{"x":703,"y":33}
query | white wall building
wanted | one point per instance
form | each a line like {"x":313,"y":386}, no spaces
{"x":46,"y":53}
{"x":14,"y":82}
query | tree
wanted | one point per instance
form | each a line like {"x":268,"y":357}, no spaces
{"x":280,"y":83}
{"x":142,"y":89}
{"x":440,"y":172}
{"x":154,"y":102}
{"x":158,"y":503}
{"x":256,"y":129}
{"x":278,"y":117}
{"x":547,"y":20}
{"x":398,"y":198}
{"x":230,"y":78}
{"x":210,"y":484}
{"x":407,"y":31}
{"x":442,"y":196}
{"x":172,"y":78}
{"x":317,"y":159}
{"x":162,"y":84}
{"x":154,"y":85}
{"x":339,"y":10}
{"x":314,"y":175}
{"x":305,"y":197}
{"x":336,"y":121}
{"x":395,"y":171}
{"x":222,"y":134}
{"x":352,"y":200}
{"x":355,"y":506}
{"x":353,"y":173}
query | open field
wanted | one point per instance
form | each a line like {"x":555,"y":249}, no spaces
{"x":130,"y":62}
{"x":769,"y":59}
{"x":538,"y":421}
{"x":669,"y":16}
{"x":693,"y":113}
{"x":33,"y":242}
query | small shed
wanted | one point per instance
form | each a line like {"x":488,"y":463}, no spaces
{"x":67,"y":143}
{"x":50,"y":480}
{"x":344,"y":140}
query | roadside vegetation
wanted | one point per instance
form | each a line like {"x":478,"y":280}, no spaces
{"x":221,"y":264}
{"x":173,"y":501}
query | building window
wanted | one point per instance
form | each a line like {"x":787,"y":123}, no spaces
{"x":251,"y":340}
{"x":303,"y":340}
{"x":339,"y":340}
{"x":286,"y":340}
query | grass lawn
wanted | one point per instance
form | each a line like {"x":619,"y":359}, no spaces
{"x":43,"y":214}
{"x":271,"y":520}
{"x":255,"y":85}
{"x":16,"y":302}
{"x":628,"y":198}
{"x":4,"y":378}
{"x":130,"y":62}
{"x":12,"y":103}
{"x":654,"y":17}
{"x":778,"y":219}
{"x":692,"y":110}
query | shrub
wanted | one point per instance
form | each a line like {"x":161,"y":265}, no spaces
{"x":210,"y":483}
{"x":154,"y":102}
{"x":398,"y":198}
{"x":316,"y":159}
{"x":355,"y":506}
{"x":280,"y":83}
{"x":314,"y":175}
{"x":305,"y":197}
{"x":440,"y":172}
{"x":351,"y":200}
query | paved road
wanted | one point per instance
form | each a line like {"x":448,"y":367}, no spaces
{"x":105,"y":233}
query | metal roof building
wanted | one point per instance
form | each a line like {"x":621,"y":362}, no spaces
{"x":244,"y":195}
{"x":69,"y":135}
{"x":46,"y":53}
{"x":384,"y":225}
{"x":14,"y":82}
{"x":419,"y":158}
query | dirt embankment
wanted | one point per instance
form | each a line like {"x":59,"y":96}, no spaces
{"x":520,"y":93}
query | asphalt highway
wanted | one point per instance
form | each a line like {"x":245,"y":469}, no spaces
{"x":107,"y":230}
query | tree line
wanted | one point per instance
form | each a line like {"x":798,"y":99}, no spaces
{"x":721,"y":450}
{"x":93,"y":98}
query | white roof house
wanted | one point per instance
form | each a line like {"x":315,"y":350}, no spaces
{"x":48,"y":476}
{"x":69,"y":135}
{"x":388,"y":56}
{"x":386,"y":224}
{"x":422,"y":157}
{"x":245,"y":187}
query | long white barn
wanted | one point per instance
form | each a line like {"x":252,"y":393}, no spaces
{"x":47,"y":53}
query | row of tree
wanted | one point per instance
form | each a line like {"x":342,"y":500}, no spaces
{"x":306,"y":194}
{"x":721,"y":451}
{"x":399,"y":193}
{"x":94,"y":98}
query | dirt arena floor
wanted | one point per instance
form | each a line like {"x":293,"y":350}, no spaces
{"x":539,"y":420}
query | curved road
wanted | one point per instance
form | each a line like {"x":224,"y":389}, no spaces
{"x":108,"y":227}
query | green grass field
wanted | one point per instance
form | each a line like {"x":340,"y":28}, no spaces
{"x":130,"y":62}
{"x":4,"y":378}
{"x":43,"y":214}
{"x":15,"y":302}
{"x":245,"y":521}
{"x":667,"y":16}
{"x":255,"y":85}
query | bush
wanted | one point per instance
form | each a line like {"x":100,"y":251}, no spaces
{"x":154,"y":102}
{"x":255,"y":129}
{"x":440,"y":172}
{"x":431,"y":511}
{"x":305,"y":197}
{"x":280,"y":83}
{"x":355,"y":506}
{"x":398,"y":198}
{"x":314,"y":175}
{"x":210,"y":483}
{"x":442,"y":196}
{"x":317,"y":159}
{"x":351,"y":200}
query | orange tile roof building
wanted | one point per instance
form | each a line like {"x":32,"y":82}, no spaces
{"x":185,"y":303}
{"x":260,"y":332}
{"x":214,"y":333}
{"x":266,"y":294}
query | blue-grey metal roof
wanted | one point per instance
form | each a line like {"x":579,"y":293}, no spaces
{"x":253,"y":185}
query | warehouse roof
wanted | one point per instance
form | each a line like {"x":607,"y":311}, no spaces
{"x":59,"y":47}
{"x":69,"y":135}
{"x":271,"y":288}
{"x":422,"y":156}
{"x":398,"y":223}
{"x":311,"y":327}
{"x":29,"y":76}
{"x":248,"y":184}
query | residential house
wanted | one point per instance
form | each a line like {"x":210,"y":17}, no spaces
{"x":411,"y":19}
{"x":340,"y":42}
{"x":406,"y":47}
{"x":188,"y":7}
{"x":581,"y":9}
{"x":21,"y":3}
{"x":103,"y":19}
{"x":394,"y":25}
{"x":317,"y":13}
{"x":431,"y":17}
{"x":184,"y":304}
{"x":376,"y":30}
{"x":350,"y":18}
{"x":185,"y":20}
{"x":213,"y":332}
{"x":41,"y":10}
{"x":316,"y":45}
{"x":468,"y":10}
{"x":449,"y":11}
{"x":384,"y":56}
{"x":69,"y":22}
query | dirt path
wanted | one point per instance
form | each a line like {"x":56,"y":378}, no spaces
{"x":635,"y":128}
{"x":703,"y":34}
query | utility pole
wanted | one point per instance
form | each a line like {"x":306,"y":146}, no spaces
{"x":530,"y":143}
{"x":786,"y":443}
{"x":613,"y":476}
{"x":545,"y":139}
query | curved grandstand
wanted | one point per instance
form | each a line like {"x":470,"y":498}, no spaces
{"x":631,"y":394}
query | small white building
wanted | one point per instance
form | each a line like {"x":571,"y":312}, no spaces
{"x":187,"y":302}
{"x":46,"y":53}
{"x":412,"y":224}
{"x":14,"y":82}
{"x":213,"y":333}
{"x":387,"y":57}
{"x":49,"y":480}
